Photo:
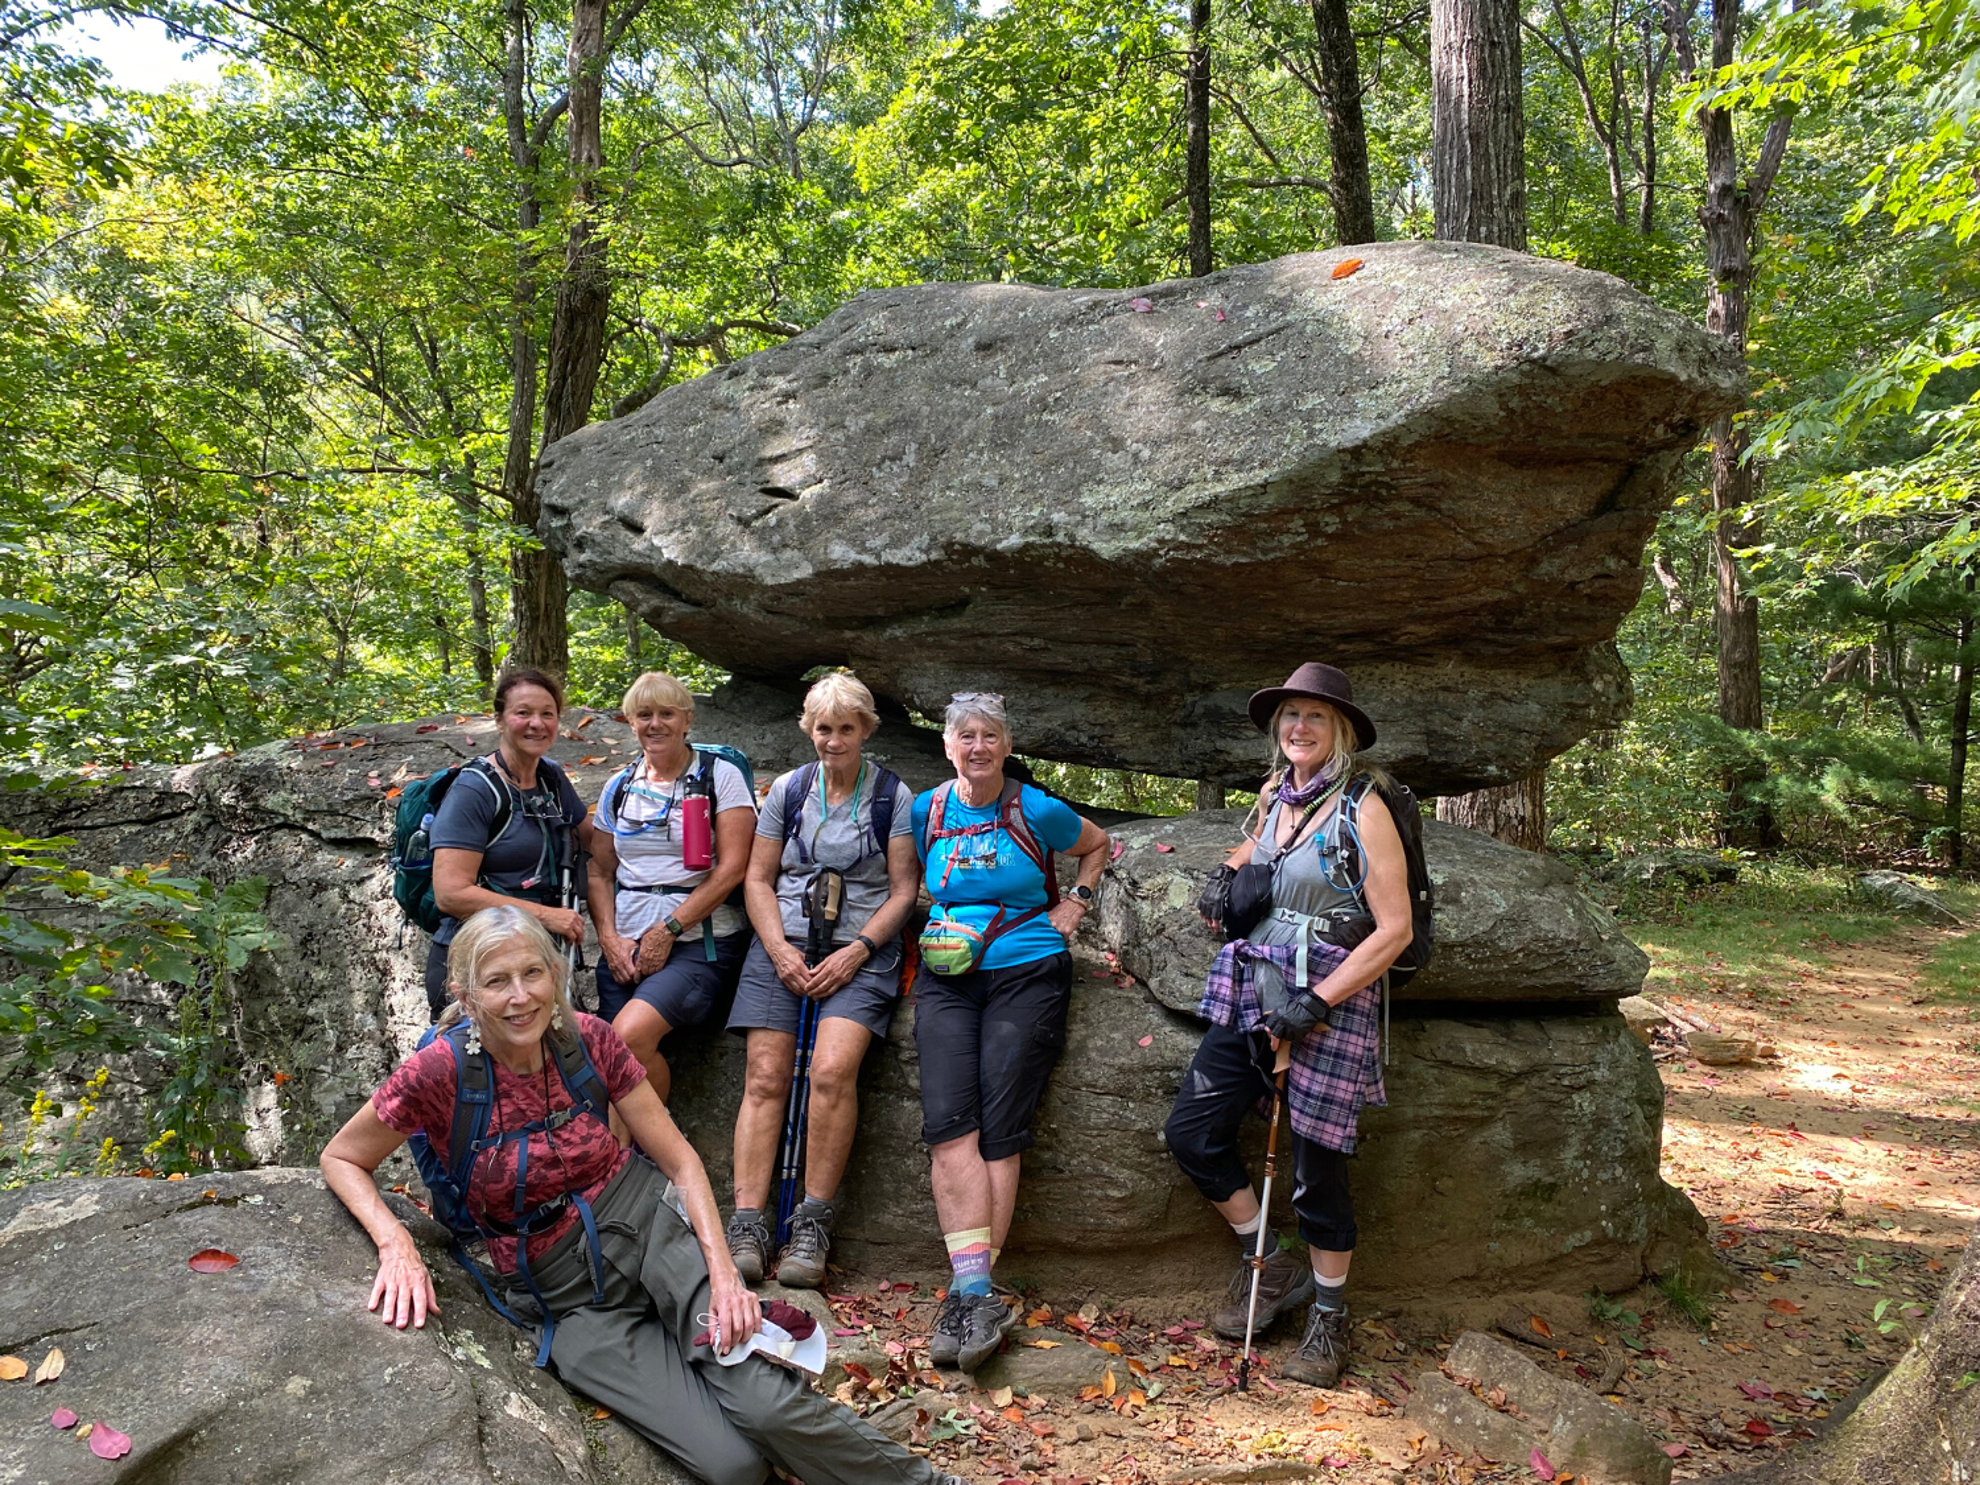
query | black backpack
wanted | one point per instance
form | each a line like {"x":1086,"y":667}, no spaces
{"x":1408,"y":815}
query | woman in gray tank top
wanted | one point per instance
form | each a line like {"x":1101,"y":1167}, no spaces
{"x":1307,"y":977}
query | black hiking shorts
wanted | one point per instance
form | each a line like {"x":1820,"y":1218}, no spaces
{"x":987,"y":1042}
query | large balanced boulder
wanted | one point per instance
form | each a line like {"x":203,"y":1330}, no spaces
{"x":1511,"y":925}
{"x":271,"y":1370}
{"x":1127,"y":509}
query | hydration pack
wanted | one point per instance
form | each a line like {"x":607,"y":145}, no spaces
{"x":886,"y":784}
{"x":1342,"y":844}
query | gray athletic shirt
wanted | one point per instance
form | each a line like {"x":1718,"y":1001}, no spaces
{"x":839,"y":841}
{"x":1298,"y":882}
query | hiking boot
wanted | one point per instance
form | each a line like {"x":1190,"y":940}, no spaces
{"x":1323,"y":1350}
{"x":986,"y":1319}
{"x":801,"y":1265}
{"x":1285,"y":1281}
{"x":749,"y":1245}
{"x":947,"y":1339}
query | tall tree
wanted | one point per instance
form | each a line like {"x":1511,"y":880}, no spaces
{"x":1196,"y":148}
{"x":1478,"y":185}
{"x":1730,"y":216}
{"x":1477,"y":123}
{"x":1339,"y":94}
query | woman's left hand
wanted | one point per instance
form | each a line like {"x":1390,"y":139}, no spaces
{"x":737,"y":1310}
{"x":837,"y":971}
{"x":1067,"y":917}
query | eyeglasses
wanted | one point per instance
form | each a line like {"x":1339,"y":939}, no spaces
{"x":996,"y":696}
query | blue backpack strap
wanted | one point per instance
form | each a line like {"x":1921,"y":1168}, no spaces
{"x":474,"y":1096}
{"x":800,"y":784}
{"x":614,"y":791}
{"x":581,"y":1079}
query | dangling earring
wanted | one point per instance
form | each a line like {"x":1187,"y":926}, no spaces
{"x":474,"y":1037}
{"x":556,"y":1017}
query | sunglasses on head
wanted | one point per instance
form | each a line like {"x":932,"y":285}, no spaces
{"x":976,"y":696}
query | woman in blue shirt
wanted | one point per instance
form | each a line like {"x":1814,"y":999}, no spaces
{"x":990,"y":1021}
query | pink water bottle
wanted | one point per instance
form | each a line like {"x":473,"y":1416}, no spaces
{"x":698,"y":827}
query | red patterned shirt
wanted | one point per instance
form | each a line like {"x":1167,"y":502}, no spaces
{"x":582,"y":1156}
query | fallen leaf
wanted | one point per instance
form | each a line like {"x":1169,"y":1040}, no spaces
{"x":12,"y":1368}
{"x":1540,"y":1327}
{"x":1119,"y":847}
{"x":1934,"y":1265}
{"x":1757,"y":1391}
{"x":1139,"y":1399}
{"x":51,"y":1366}
{"x":62,"y":1418}
{"x":1013,"y":1414}
{"x":1108,"y":1386}
{"x":1147,"y":1041}
{"x":1089,"y":1394}
{"x":211,"y":1261}
{"x":1044,"y":1345}
{"x":427,"y":727}
{"x":1785,"y":1306}
{"x":1760,"y":1428}
{"x":1112,"y":1348}
{"x":1001,"y":1398}
{"x":1141,"y":306}
{"x":1165,"y":848}
{"x":1541,"y":1465}
{"x":1344,"y":269}
{"x":1140,"y":1369}
{"x":601,"y":1414}
{"x":1675,"y":1450}
{"x":106,"y":1443}
{"x":1320,"y":1405}
{"x":587,"y":762}
{"x":393,"y":793}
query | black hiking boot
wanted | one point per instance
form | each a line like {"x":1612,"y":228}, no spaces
{"x":749,"y":1245}
{"x":1285,"y":1282}
{"x":801,"y":1265}
{"x":945,"y":1343}
{"x":1323,"y":1350}
{"x":986,"y":1320}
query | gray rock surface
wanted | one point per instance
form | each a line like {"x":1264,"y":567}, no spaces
{"x":1127,"y":509}
{"x":1698,"y":868}
{"x":1899,"y":893}
{"x":1511,"y":925}
{"x":1580,"y":1433}
{"x":273,"y":1370}
{"x":1466,"y":1423}
{"x":1520,"y":1148}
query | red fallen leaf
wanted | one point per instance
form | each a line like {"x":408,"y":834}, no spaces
{"x":62,"y":1418}
{"x":209,"y":1261}
{"x":1332,"y":1461}
{"x":1344,"y":269}
{"x":1541,"y":1465}
{"x":106,"y":1443}
{"x":1165,"y":848}
{"x":394,"y":792}
{"x":1675,"y":1450}
{"x":1146,"y":1041}
{"x":427,"y":727}
{"x":1266,"y":1383}
{"x":1760,"y":1428}
{"x":1119,"y":846}
{"x":1141,"y":306}
{"x":1934,"y":1265}
{"x":1221,"y":317}
{"x":841,"y":1330}
{"x":1757,"y":1391}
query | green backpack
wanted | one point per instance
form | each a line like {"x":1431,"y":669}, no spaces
{"x":412,"y":845}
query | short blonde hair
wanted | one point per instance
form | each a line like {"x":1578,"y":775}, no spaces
{"x":839,"y":693}
{"x":488,"y":932}
{"x":655,"y":689}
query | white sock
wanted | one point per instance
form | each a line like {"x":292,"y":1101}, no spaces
{"x":1246,"y":1229}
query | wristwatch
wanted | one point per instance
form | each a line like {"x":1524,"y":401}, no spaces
{"x":1081,"y":894}
{"x":673,"y":926}
{"x":871,"y":947}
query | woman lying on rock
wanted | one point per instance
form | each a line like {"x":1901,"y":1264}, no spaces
{"x":507,"y":830}
{"x":832,"y":879}
{"x":1307,"y":974}
{"x":670,"y":940}
{"x":643,"y":1314}
{"x":990,"y":1020}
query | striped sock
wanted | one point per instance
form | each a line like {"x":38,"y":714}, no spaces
{"x":969,"y":1257}
{"x":1331,"y":1294}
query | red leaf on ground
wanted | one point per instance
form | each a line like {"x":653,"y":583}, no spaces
{"x":1165,"y":848}
{"x":427,"y":727}
{"x":1760,"y":1428}
{"x":1675,"y":1450}
{"x":62,"y":1418}
{"x":1141,"y":306}
{"x":1119,"y":846}
{"x":211,"y":1261}
{"x":1146,"y":1041}
{"x":1343,"y":269}
{"x":1758,"y":1391}
{"x":1785,"y":1306}
{"x":1540,"y":1327}
{"x":1541,"y":1465}
{"x":106,"y":1443}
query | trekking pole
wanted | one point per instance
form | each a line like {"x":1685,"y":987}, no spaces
{"x":824,"y":897}
{"x":1279,"y":1066}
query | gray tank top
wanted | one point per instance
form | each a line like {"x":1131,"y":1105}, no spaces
{"x":1298,"y":881}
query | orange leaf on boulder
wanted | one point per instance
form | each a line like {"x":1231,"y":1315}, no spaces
{"x":211,"y":1261}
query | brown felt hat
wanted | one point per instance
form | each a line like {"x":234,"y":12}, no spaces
{"x":1322,"y":683}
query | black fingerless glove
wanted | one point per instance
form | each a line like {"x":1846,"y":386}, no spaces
{"x":1216,"y":898}
{"x":1297,"y":1017}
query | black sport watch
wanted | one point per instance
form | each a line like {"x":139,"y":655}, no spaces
{"x":1082,"y":894}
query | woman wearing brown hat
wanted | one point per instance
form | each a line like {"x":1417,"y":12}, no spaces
{"x":1306,"y":975}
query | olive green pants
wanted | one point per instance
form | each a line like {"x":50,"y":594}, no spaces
{"x":633,"y":1355}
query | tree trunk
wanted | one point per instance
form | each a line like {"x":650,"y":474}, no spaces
{"x":1347,"y":132}
{"x":1962,"y":728}
{"x":1515,"y":813}
{"x":1196,"y":155}
{"x":1209,"y":794}
{"x":1730,"y":215}
{"x":634,"y":647}
{"x":1477,"y":123}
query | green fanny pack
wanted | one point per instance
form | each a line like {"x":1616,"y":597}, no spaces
{"x":950,"y":946}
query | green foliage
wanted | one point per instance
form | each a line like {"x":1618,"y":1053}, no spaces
{"x":1685,"y":1300}
{"x":80,"y":941}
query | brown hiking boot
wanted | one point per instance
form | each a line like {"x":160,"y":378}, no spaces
{"x":1285,"y":1281}
{"x":1323,"y":1350}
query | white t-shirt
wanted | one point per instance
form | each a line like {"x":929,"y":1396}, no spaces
{"x":644,"y":820}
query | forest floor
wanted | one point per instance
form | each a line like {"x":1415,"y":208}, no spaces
{"x":1840,"y":1178}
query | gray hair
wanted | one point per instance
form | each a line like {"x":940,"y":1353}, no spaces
{"x":986,"y":706}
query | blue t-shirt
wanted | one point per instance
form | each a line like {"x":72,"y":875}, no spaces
{"x":990,"y":870}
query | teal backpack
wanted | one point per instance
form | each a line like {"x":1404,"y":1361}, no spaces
{"x":412,"y":830}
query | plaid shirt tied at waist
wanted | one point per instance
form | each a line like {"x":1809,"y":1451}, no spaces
{"x":1334,"y":1072}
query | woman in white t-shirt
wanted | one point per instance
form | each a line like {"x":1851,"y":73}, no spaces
{"x":672,"y":941}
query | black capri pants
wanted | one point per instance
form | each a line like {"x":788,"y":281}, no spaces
{"x":987,"y":1042}
{"x":1226,"y":1079}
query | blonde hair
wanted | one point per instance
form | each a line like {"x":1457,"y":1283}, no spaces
{"x":1345,"y":760}
{"x":839,"y":693}
{"x":488,"y":932}
{"x":655,"y":689}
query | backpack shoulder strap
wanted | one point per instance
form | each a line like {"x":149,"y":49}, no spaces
{"x":938,"y":806}
{"x":796,"y":788}
{"x":614,"y":791}
{"x":885,"y":786}
{"x":474,"y":1095}
{"x":504,"y":792}
{"x":581,"y":1079}
{"x":1010,"y":809}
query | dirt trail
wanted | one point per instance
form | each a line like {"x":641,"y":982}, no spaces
{"x":1843,"y":1172}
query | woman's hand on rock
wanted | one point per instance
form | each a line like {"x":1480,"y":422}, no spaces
{"x":1067,"y":916}
{"x":621,"y":957}
{"x":737,"y":1311}
{"x":403,"y":1290}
